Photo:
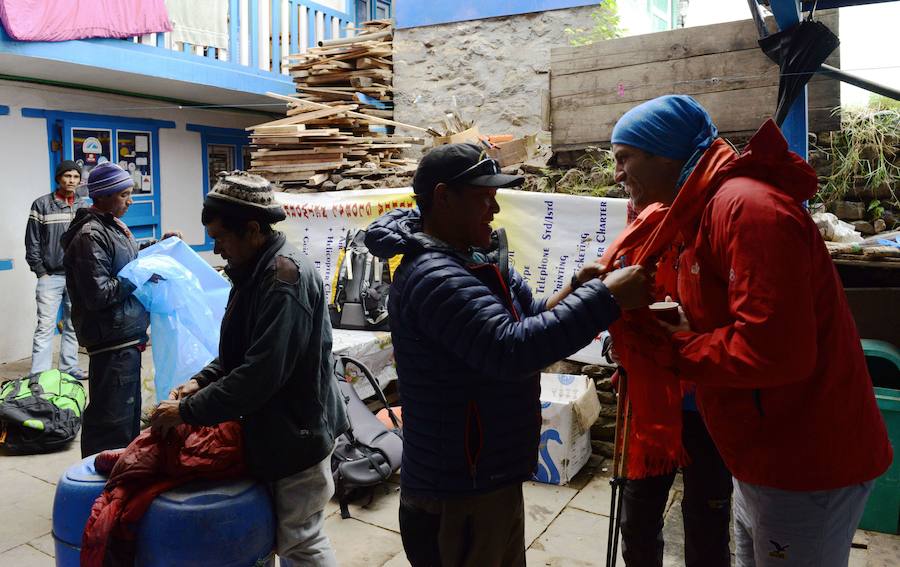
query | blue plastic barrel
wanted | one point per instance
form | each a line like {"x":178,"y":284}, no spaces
{"x":221,"y":524}
{"x":226,"y":524}
{"x":76,"y":491}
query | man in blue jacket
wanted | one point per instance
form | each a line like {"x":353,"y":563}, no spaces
{"x":469,"y":342}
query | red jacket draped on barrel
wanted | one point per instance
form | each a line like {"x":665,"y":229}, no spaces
{"x":148,"y":467}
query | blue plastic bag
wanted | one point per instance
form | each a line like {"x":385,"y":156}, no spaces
{"x":186,"y":307}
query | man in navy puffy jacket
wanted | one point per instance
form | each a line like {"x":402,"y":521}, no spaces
{"x":469,"y":342}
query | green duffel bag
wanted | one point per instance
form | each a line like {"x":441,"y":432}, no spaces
{"x":40,"y":413}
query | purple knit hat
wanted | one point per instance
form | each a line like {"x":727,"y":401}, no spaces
{"x":108,"y":179}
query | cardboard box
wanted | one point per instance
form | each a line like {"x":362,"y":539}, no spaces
{"x":569,"y":406}
{"x":516,"y":151}
{"x":470,"y":135}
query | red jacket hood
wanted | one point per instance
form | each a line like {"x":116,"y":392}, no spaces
{"x":767,"y":158}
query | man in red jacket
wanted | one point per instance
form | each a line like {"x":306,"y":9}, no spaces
{"x":768,"y":337}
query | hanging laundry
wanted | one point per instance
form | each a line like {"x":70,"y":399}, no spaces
{"x":48,"y":20}
{"x":199,"y":22}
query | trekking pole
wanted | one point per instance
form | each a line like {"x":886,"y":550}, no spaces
{"x":618,"y":479}
{"x":623,"y":478}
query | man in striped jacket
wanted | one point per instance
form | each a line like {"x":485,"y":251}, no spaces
{"x":49,"y":219}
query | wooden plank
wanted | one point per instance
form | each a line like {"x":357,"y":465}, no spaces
{"x":373,"y":119}
{"x":692,"y":75}
{"x":720,"y":65}
{"x":266,"y":152}
{"x":373,"y":63}
{"x":664,"y":46}
{"x":349,"y":95}
{"x":317,"y":179}
{"x":300,"y":167}
{"x":315,"y":158}
{"x":304,"y":117}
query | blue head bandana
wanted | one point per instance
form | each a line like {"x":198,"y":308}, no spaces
{"x":672,"y":126}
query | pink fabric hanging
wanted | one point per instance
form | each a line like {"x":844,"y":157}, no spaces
{"x":61,"y":20}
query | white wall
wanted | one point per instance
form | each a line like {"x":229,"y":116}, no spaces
{"x":23,"y":161}
{"x":181,"y":178}
{"x":24,"y":164}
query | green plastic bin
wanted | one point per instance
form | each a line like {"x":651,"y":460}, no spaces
{"x":882,"y":513}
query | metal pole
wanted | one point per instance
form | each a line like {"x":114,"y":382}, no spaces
{"x":796,"y":125}
{"x":866,"y":84}
{"x":761,"y":29}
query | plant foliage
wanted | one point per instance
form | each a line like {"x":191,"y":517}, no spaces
{"x":864,"y":156}
{"x":606,"y":24}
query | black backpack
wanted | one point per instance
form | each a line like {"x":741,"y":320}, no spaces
{"x":368,"y":453}
{"x":361,"y":290}
{"x":40,"y":413}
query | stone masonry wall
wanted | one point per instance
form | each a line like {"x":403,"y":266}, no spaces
{"x":491,"y":71}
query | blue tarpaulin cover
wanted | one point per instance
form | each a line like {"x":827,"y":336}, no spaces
{"x":186,"y":306}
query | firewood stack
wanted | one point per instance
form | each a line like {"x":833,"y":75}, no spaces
{"x":338,"y":133}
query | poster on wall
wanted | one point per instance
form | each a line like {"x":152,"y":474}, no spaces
{"x":551,"y":236}
{"x":134,"y":156}
{"x":90,"y":148}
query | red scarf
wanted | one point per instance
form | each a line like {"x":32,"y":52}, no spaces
{"x":646,"y":350}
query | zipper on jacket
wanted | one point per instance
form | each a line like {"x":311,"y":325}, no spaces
{"x":472,"y":414}
{"x":757,"y":401}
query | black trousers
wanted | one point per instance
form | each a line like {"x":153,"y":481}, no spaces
{"x":705,"y":507}
{"x":486,"y":530}
{"x":112,"y":418}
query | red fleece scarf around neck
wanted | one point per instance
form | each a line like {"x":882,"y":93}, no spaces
{"x":654,"y":392}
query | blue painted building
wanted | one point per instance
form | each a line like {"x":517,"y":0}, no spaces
{"x":174,"y":114}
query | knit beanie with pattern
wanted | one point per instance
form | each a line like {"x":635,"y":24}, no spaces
{"x":108,"y":179}
{"x":245,"y":195}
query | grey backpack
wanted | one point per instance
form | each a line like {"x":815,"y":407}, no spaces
{"x":369,"y":452}
{"x":361,"y":290}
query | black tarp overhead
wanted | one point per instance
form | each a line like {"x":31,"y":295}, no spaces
{"x":799,"y":51}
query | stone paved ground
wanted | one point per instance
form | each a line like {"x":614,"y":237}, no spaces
{"x":566,"y":526}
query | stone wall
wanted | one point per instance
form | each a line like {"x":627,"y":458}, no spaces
{"x":491,"y":71}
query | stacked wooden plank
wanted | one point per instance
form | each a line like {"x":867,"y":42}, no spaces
{"x":337,"y":133}
{"x":720,"y":65}
{"x":868,"y":252}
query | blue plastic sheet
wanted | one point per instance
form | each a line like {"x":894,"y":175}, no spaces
{"x":186,"y":307}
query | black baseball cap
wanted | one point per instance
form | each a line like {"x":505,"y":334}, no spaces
{"x":460,"y":163}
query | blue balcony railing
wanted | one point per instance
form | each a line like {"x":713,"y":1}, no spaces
{"x":262,"y":33}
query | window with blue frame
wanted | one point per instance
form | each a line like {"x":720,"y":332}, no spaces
{"x":372,"y":10}
{"x":224,"y":149}
{"x":133,"y":143}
